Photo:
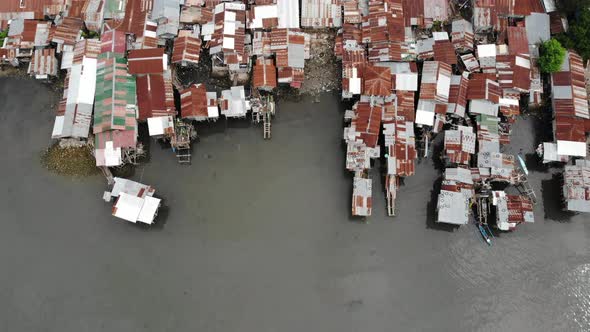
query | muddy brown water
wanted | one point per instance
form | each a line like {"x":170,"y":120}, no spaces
{"x":258,"y":237}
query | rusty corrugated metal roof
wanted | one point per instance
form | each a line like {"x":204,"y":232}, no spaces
{"x":517,"y":40}
{"x":377,"y":81}
{"x":265,"y":74}
{"x":152,"y":97}
{"x":186,"y":49}
{"x":146,"y":61}
{"x":68,"y":32}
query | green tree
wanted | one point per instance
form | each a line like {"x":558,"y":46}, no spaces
{"x":552,"y":55}
{"x":571,"y":7}
{"x":578,"y":35}
{"x":3,"y":35}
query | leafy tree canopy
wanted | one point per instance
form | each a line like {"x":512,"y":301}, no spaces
{"x":578,"y":35}
{"x":552,"y":56}
{"x":571,"y":7}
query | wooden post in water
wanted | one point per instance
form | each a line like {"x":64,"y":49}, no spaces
{"x":108,"y":175}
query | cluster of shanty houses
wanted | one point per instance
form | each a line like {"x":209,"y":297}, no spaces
{"x":124,"y":74}
{"x":410,"y":83}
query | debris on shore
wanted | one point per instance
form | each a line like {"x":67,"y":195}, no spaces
{"x":323,"y":72}
{"x":70,"y":158}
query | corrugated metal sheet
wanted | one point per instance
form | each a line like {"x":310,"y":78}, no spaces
{"x":86,"y":48}
{"x":186,"y":50}
{"x":43,"y":63}
{"x":444,"y":51}
{"x":362,"y":200}
{"x":30,"y":9}
{"x":154,"y":97}
{"x":526,"y":7}
{"x":436,"y":10}
{"x":462,"y":35}
{"x":113,"y":41}
{"x":321,"y":13}
{"x":377,"y":81}
{"x":288,"y":14}
{"x":368,"y":122}
{"x":77,"y":115}
{"x":194,"y":103}
{"x":517,"y":40}
{"x":576,"y":186}
{"x":115,"y":98}
{"x":264,"y":74}
{"x":147,"y":61}
{"x":68,"y":32}
{"x":93,"y":13}
{"x":413,"y":12}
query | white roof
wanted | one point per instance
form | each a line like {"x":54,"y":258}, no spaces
{"x":354,"y":85}
{"x":462,"y":175}
{"x":208,"y":29}
{"x":425,"y":112}
{"x":481,"y":106}
{"x":58,"y":126}
{"x":288,"y":11}
{"x":228,"y":42}
{"x":157,"y":125}
{"x":550,"y":153}
{"x":569,"y":148}
{"x":488,"y":50}
{"x":452,"y":208}
{"x":128,"y":207}
{"x":562,"y":92}
{"x":134,"y":209}
{"x":443,"y":85}
{"x":406,"y":81}
{"x":148,"y":210}
{"x":112,"y":156}
{"x":440,"y":36}
{"x":549,"y":5}
{"x":263,"y":12}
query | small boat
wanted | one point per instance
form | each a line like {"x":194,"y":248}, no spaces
{"x":486,"y":234}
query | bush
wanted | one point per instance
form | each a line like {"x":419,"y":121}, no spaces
{"x":552,"y":56}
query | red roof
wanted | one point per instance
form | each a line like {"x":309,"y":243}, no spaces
{"x":445,"y":52}
{"x":186,"y":49}
{"x":68,"y":31}
{"x":265,"y":74}
{"x":518,"y":42}
{"x":377,"y":81}
{"x":154,"y":96}
{"x":146,"y":61}
{"x":113,"y":41}
{"x":413,"y":9}
{"x":193,"y":102}
{"x":39,"y":8}
{"x":368,"y":123}
{"x":484,"y":86}
{"x":526,"y":7}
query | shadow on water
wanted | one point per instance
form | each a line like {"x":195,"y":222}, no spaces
{"x":534,"y":163}
{"x":162,"y":218}
{"x":551,"y":190}
{"x":431,"y":210}
{"x":436,"y":153}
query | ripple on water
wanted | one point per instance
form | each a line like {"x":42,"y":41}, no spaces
{"x":509,"y":285}
{"x":575,"y":284}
